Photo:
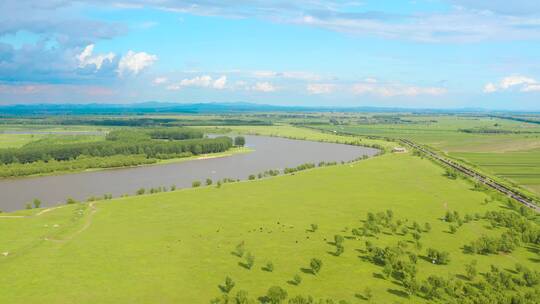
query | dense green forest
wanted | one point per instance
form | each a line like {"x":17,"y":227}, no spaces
{"x":124,"y":142}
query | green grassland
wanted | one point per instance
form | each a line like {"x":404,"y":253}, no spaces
{"x":512,"y":157}
{"x":175,"y":247}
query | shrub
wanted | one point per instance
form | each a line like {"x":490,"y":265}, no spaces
{"x":240,"y":249}
{"x":453,"y":229}
{"x":297,"y":279}
{"x":196,"y":184}
{"x":28,"y":206}
{"x":228,"y":286}
{"x":173,"y":187}
{"x":208,"y":182}
{"x":315,"y":265}
{"x":250,"y":260}
{"x":37,"y":203}
{"x":269,"y":267}
{"x":251,"y":177}
{"x":438,"y":257}
{"x":471,"y":270}
{"x":276,"y":295}
{"x":141,"y":191}
{"x":314,"y":227}
{"x":71,"y":201}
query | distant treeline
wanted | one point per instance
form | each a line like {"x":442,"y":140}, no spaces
{"x":122,"y":142}
{"x":494,"y":131}
{"x":135,"y":121}
{"x":521,"y":119}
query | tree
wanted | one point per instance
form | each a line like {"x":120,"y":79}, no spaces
{"x":28,"y":206}
{"x":269,"y":267}
{"x":427,"y":227}
{"x":228,"y":286}
{"x":251,"y":177}
{"x":338,"y":240}
{"x":339,"y":250}
{"x":239,"y":141}
{"x":314,"y":227}
{"x":37,"y":203}
{"x":240,"y":249}
{"x":387,"y":270}
{"x":208,"y":182}
{"x":71,"y":201}
{"x":297,"y":279}
{"x":276,"y":294}
{"x":250,"y":260}
{"x":453,"y":229}
{"x":471,"y":270}
{"x":141,"y":191}
{"x":368,"y":294}
{"x":315,"y":265}
{"x":196,"y":184}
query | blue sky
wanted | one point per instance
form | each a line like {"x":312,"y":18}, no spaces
{"x":416,"y":53}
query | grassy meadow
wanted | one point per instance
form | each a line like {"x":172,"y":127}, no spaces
{"x":176,"y":247}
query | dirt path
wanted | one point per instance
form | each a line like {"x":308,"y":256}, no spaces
{"x":86,"y":225}
{"x":33,"y":215}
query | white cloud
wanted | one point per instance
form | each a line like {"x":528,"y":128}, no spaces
{"x":296,"y":75}
{"x":264,"y":87}
{"x":220,"y":83}
{"x":133,"y":63}
{"x":320,"y":88}
{"x":393,"y":90}
{"x":160,"y":80}
{"x":490,"y":88}
{"x":521,"y":83}
{"x":204,"y":81}
{"x":85,"y":57}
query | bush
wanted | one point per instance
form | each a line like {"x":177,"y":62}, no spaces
{"x":297,"y":279}
{"x":276,"y":295}
{"x":71,"y":201}
{"x":141,"y":191}
{"x":196,"y":184}
{"x":28,"y":206}
{"x":315,"y":265}
{"x":250,"y":260}
{"x":314,"y":227}
{"x":438,"y":257}
{"x":269,"y":267}
{"x":228,"y":286}
{"x":208,"y":182}
{"x":37,"y":203}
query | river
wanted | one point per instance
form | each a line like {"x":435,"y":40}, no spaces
{"x":269,"y":153}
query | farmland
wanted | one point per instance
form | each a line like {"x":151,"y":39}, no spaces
{"x":514,"y":145}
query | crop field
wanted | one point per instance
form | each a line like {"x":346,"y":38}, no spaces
{"x":511,"y":156}
{"x":521,"y":168}
{"x":178,"y":247}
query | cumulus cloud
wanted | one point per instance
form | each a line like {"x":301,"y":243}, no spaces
{"x":204,"y":81}
{"x":133,"y":63}
{"x":86,"y":58}
{"x":513,"y":82}
{"x":393,"y":90}
{"x":265,"y":87}
{"x":320,"y":88}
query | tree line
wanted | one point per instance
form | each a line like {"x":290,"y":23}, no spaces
{"x":150,"y":148}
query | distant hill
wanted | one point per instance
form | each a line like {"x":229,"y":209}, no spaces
{"x":195,"y":108}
